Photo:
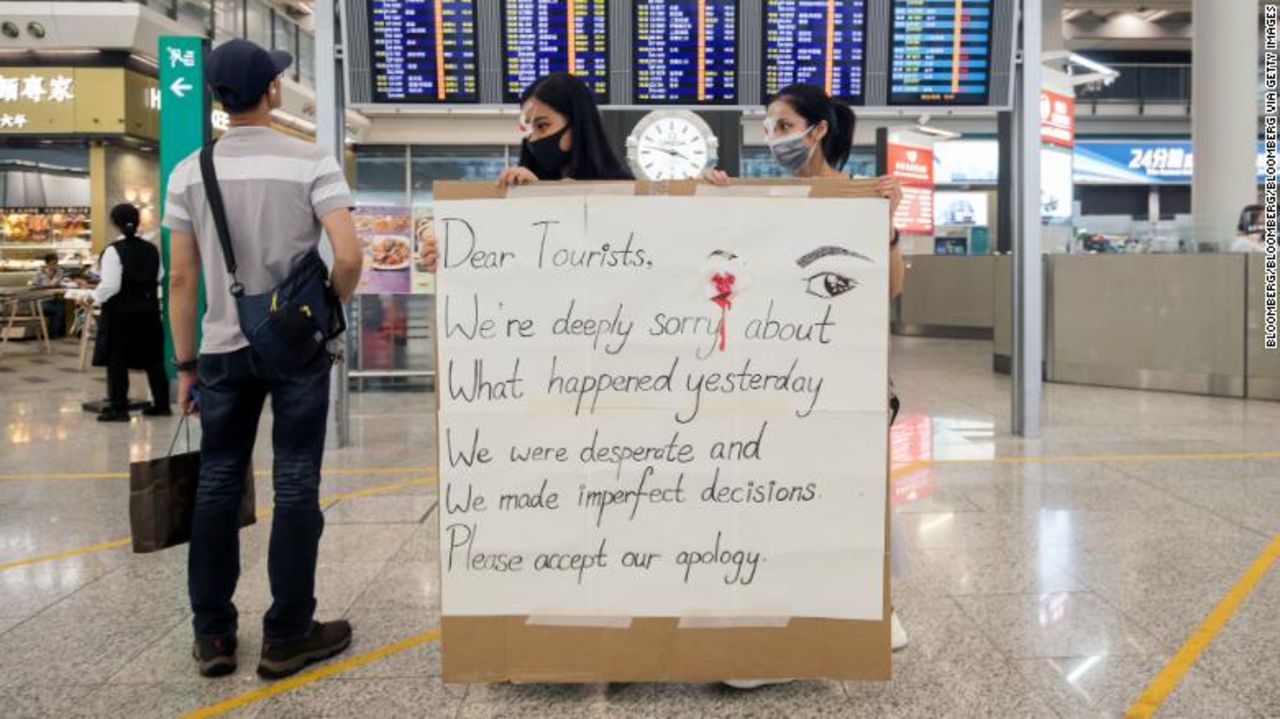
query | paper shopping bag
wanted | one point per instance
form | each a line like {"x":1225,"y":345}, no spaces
{"x":162,"y":499}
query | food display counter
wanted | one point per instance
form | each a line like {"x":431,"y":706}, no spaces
{"x":28,"y":234}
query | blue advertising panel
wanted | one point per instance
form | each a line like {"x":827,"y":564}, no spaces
{"x":1164,"y":162}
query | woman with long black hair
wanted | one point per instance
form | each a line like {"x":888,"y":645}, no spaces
{"x":565,"y":138}
{"x":811,"y":135}
{"x":130,"y":333}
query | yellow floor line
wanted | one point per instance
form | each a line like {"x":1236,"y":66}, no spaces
{"x":301,"y":680}
{"x":262,"y":514}
{"x":260,"y":471}
{"x":379,"y":489}
{"x":62,"y":476}
{"x":103,"y":546}
{"x":1167,"y":680}
{"x":1025,"y":459}
{"x":897,"y":469}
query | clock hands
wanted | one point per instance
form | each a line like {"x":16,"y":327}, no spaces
{"x":676,"y":153}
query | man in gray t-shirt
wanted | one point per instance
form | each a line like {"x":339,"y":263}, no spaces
{"x":279,"y":194}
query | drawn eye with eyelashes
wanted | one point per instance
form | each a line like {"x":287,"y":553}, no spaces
{"x":829,"y":282}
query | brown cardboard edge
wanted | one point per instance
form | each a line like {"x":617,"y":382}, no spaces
{"x":823,"y":187}
{"x":509,"y":648}
{"x":494,"y":649}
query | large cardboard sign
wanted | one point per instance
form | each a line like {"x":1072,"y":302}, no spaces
{"x":662,"y":431}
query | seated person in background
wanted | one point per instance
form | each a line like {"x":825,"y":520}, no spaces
{"x":1249,"y":230}
{"x":50,"y":277}
{"x":130,"y":335}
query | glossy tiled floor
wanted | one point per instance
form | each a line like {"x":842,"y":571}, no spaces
{"x":1045,"y":578}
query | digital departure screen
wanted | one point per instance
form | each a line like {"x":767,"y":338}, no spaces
{"x":940,"y":52}
{"x":819,"y":42}
{"x":424,"y":51}
{"x":685,"y":52}
{"x":544,"y":36}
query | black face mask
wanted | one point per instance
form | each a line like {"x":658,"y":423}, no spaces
{"x":547,"y":153}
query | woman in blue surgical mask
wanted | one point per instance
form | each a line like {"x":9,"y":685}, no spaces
{"x":811,"y":135}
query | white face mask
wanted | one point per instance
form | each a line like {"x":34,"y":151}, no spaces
{"x":792,"y":153}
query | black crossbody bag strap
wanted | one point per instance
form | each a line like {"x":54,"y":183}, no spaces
{"x":213,"y":193}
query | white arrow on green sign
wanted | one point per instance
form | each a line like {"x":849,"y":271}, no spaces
{"x":181,"y":87}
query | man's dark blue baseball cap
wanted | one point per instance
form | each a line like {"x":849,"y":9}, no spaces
{"x":239,"y":73}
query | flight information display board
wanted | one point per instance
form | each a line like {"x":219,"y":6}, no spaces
{"x":423,"y":51}
{"x":940,"y":52}
{"x":819,"y":42}
{"x":544,"y":36}
{"x":684,"y":52}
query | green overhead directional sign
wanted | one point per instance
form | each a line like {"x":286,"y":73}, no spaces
{"x":184,"y":128}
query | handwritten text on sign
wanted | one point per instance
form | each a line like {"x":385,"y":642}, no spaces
{"x":663,"y":406}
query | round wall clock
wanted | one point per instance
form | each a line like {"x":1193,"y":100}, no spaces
{"x":671,"y":145}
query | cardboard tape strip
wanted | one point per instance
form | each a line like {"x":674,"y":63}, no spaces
{"x":565,"y":620}
{"x":734,"y":623}
{"x":571,"y":189}
{"x":707,"y":190}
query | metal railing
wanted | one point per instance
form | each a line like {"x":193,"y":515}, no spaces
{"x":1143,"y":83}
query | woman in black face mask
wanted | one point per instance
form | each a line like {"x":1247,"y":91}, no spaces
{"x":566,"y":139}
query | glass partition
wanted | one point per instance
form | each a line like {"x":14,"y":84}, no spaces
{"x":429,"y":164}
{"x":195,"y":15}
{"x":258,"y":22}
{"x":228,"y":19}
{"x":381,"y":175}
{"x":306,"y":59}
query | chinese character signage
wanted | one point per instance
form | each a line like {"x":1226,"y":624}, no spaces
{"x":37,"y":100}
{"x":37,"y":88}
{"x":1166,"y":162}
{"x":913,"y":166}
{"x":1057,"y":118}
{"x":62,"y":100}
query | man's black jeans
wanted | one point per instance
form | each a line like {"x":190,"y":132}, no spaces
{"x":232,"y":394}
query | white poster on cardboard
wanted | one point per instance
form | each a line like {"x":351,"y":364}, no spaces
{"x":663,"y":406}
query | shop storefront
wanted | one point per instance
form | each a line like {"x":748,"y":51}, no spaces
{"x":76,"y":141}
{"x":71,"y":145}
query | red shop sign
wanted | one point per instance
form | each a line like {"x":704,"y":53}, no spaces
{"x":1057,"y":118}
{"x":913,"y":166}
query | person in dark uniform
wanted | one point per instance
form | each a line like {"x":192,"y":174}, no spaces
{"x":130,"y":333}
